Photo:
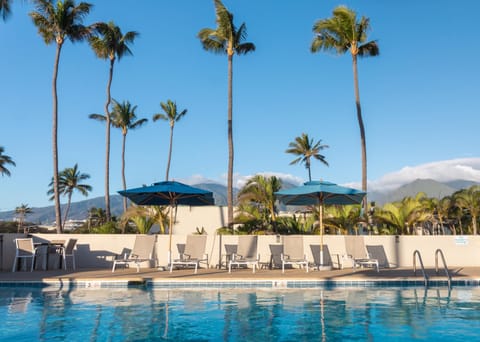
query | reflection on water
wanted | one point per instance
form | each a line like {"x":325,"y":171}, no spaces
{"x":229,"y":315}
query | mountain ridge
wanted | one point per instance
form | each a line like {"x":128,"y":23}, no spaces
{"x":79,"y":210}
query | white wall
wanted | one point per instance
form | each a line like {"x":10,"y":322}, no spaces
{"x":98,"y":250}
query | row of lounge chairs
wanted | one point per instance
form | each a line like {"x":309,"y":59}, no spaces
{"x":245,"y":254}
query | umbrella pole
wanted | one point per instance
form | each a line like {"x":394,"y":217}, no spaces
{"x":320,"y":214}
{"x":170,"y":229}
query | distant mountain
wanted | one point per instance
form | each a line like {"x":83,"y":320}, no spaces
{"x":430,"y":187}
{"x":79,"y":210}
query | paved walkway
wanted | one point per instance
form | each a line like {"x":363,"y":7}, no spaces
{"x":238,"y":275}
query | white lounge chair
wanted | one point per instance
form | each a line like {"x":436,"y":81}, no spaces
{"x":317,"y":259}
{"x":142,"y":251}
{"x":293,"y":252}
{"x":193,"y":254}
{"x":357,"y":254}
{"x":246,"y":254}
{"x":24,"y":250}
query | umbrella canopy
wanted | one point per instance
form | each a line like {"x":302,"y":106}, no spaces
{"x":320,"y":193}
{"x":169,"y":193}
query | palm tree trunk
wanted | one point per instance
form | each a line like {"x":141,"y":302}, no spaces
{"x":67,"y":209}
{"x":474,"y":224}
{"x":169,"y":152}
{"x":230,"y":144}
{"x":124,"y":182}
{"x":56,"y":192}
{"x":362,"y":135}
{"x":107,"y":137}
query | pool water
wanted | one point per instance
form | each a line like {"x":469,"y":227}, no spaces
{"x":341,"y":314}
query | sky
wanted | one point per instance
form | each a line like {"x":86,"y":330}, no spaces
{"x":419,"y":96}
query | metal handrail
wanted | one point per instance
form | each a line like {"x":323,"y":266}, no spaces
{"x":421,"y":264}
{"x":449,"y":277}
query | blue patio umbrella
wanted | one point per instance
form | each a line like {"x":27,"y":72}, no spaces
{"x":169,"y":193}
{"x":320,"y":193}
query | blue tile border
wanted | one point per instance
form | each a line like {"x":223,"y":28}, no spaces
{"x":238,"y":284}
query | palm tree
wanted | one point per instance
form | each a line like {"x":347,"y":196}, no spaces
{"x":57,"y":21}
{"x":171,"y":115}
{"x":70,"y":180}
{"x":22,"y":212}
{"x":227,"y":39}
{"x":261,"y":191}
{"x":342,"y":33}
{"x":123,"y":116}
{"x":469,"y":200}
{"x":404,"y":215}
{"x":5,"y":160}
{"x":110,"y":44}
{"x":5,"y":9}
{"x":305,"y":148}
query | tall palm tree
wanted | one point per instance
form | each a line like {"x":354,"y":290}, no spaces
{"x":227,"y":39}
{"x":341,"y":33}
{"x":123,"y":116}
{"x":305,"y":149}
{"x":70,"y":180}
{"x":171,"y":115}
{"x":469,"y":200}
{"x":110,"y":43}
{"x":5,"y":160}
{"x":22,"y":212}
{"x":5,"y":9}
{"x":57,"y":21}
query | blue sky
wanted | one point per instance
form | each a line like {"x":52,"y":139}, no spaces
{"x":419,"y":97}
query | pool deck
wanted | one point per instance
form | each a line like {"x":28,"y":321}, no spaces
{"x":186,"y":277}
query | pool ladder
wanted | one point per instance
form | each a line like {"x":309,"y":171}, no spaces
{"x":425,"y":276}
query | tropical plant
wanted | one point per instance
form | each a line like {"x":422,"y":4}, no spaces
{"x":341,"y":33}
{"x":469,"y":201}
{"x":227,"y":39}
{"x":21,"y":213}
{"x":404,"y":215}
{"x":259,"y":191}
{"x":57,"y":21}
{"x":70,"y":180}
{"x":5,"y":160}
{"x":341,"y":218}
{"x":96,"y":217}
{"x":123,"y":116}
{"x":144,"y":217}
{"x":172,"y":116}
{"x":109,"y":43}
{"x":305,"y":149}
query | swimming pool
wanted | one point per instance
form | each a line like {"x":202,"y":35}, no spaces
{"x":138,"y":314}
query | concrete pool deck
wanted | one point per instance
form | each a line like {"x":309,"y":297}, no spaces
{"x":186,"y":277}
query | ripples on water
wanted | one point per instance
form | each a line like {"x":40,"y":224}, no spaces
{"x":247,"y":315}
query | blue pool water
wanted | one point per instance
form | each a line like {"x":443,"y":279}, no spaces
{"x":342,"y":314}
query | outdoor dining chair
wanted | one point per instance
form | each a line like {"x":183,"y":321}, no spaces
{"x":24,"y":250}
{"x":68,"y":251}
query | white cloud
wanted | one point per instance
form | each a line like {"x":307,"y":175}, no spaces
{"x":240,"y":180}
{"x":442,"y":171}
